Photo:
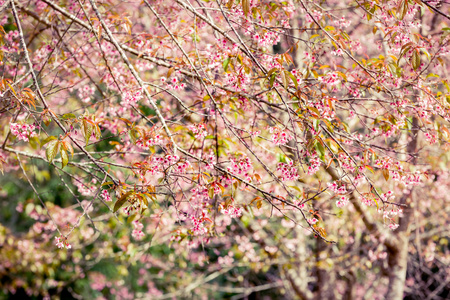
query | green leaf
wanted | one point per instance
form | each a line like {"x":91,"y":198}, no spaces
{"x":52,"y":150}
{"x":122,"y":201}
{"x":333,"y":146}
{"x":294,"y":80}
{"x":64,"y":158}
{"x":246,"y":6}
{"x":97,"y":132}
{"x":131,"y":218}
{"x":316,"y":125}
{"x":281,"y":158}
{"x":405,"y":49}
{"x":432,"y":75}
{"x":320,"y":150}
{"x":370,"y":169}
{"x":133,"y":134}
{"x":403,"y":9}
{"x":271,"y":71}
{"x":68,"y":147}
{"x":272,"y":79}
{"x":68,"y":117}
{"x":296,"y":188}
{"x":315,"y":110}
{"x":376,"y":202}
{"x":415,"y":59}
{"x":34,"y":142}
{"x":48,"y":139}
{"x":259,"y":204}
{"x":345,"y":127}
{"x":149,"y":196}
{"x":86,"y":129}
{"x":225,"y":64}
{"x":284,"y":80}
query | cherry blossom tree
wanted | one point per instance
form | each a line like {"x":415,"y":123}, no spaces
{"x":212,"y":148}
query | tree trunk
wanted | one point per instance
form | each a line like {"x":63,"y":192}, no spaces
{"x":325,"y":278}
{"x":398,"y":260}
{"x":350,"y":289}
{"x":298,"y":276}
{"x":397,"y":245}
{"x":398,"y":253}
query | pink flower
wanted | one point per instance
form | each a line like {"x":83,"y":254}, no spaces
{"x":231,"y":211}
{"x":137,"y":234}
{"x":23,"y":132}
{"x":106,"y":197}
{"x":393,"y":226}
{"x":61,"y":242}
{"x":199,"y":130}
{"x":312,"y":221}
{"x":138,"y":225}
{"x":342,"y":202}
{"x":279,"y":137}
{"x":338,"y":52}
{"x":288,"y":171}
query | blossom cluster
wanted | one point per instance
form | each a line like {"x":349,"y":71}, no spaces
{"x":279,"y":137}
{"x":343,"y":201}
{"x":269,"y":38}
{"x":388,"y":196}
{"x":85,"y":189}
{"x":61,"y":242}
{"x":134,"y":205}
{"x":105,"y":196}
{"x":167,"y":160}
{"x":288,"y":171}
{"x":199,"y":196}
{"x":313,"y":221}
{"x":334,"y":187}
{"x":342,"y":22}
{"x":173,"y":83}
{"x":231,"y":211}
{"x":199,"y":130}
{"x":86,"y":93}
{"x":23,"y":131}
{"x":159,"y":164}
{"x":337,"y":52}
{"x":130,"y":98}
{"x":211,"y":160}
{"x":368,"y":201}
{"x":241,"y":166}
{"x":330,"y":79}
{"x":346,"y":162}
{"x":226,"y":260}
{"x":137,"y":233}
{"x":198,"y":226}
{"x":314,"y":166}
{"x":145,"y":143}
